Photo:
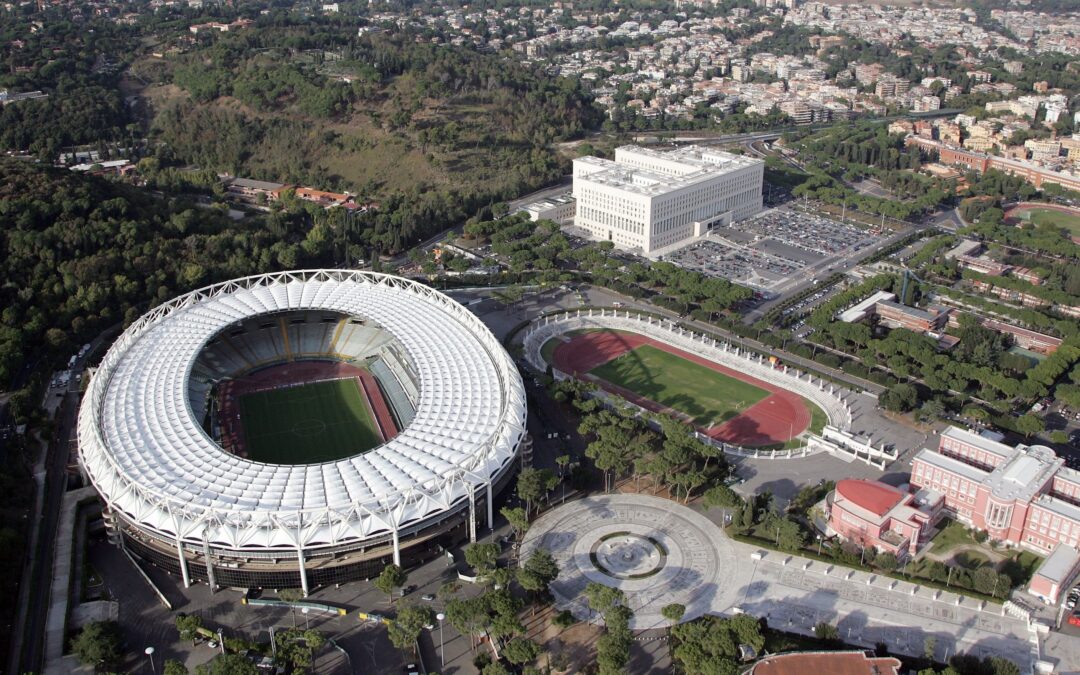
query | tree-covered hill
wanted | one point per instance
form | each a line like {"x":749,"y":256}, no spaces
{"x":78,"y":254}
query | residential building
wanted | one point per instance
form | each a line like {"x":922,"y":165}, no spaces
{"x":880,"y":516}
{"x":979,"y":161}
{"x":646,"y":199}
{"x":832,"y":663}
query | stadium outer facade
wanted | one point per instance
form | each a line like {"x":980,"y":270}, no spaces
{"x":174,"y":497}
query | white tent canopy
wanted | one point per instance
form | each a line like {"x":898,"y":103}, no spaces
{"x":150,"y":458}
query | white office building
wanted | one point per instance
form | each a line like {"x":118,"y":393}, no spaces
{"x":647,"y":200}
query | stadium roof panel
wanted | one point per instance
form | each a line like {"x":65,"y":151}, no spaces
{"x":149,"y":457}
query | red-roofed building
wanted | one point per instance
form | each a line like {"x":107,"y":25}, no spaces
{"x":883,"y":517}
{"x":826,"y":663}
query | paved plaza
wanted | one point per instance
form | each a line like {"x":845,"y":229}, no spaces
{"x":659,"y":552}
{"x":656,"y":551}
{"x":795,"y":594}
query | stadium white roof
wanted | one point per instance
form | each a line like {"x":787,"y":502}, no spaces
{"x":149,"y":458}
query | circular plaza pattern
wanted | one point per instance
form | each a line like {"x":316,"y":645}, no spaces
{"x":654,"y":550}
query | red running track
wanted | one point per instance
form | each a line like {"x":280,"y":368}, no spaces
{"x":777,"y":418}
{"x":292,"y":374}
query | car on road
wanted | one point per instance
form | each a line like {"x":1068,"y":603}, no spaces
{"x":427,"y":597}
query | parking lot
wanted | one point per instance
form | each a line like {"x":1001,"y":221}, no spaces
{"x":774,"y":250}
{"x":741,"y":264}
{"x":808,"y":232}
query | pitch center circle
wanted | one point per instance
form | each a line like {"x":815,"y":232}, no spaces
{"x":626,"y":555}
{"x":309,"y":427}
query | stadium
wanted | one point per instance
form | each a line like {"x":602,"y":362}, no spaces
{"x":300,"y":429}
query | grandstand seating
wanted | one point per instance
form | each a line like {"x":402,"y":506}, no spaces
{"x":269,"y":340}
{"x":393,"y":392}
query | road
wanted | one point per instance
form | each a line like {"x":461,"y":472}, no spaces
{"x":28,"y":639}
{"x":35,"y":609}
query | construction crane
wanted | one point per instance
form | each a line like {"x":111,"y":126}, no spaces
{"x":908,"y":274}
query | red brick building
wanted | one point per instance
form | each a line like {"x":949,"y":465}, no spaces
{"x":881,"y":516}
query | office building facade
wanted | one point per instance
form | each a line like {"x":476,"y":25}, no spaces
{"x":647,"y":200}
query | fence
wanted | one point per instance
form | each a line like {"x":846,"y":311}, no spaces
{"x":830,"y":398}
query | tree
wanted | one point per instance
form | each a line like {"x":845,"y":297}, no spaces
{"x":406,"y":627}
{"x":174,"y":667}
{"x":900,"y":398}
{"x":390,"y":578}
{"x":188,"y":625}
{"x":518,"y":519}
{"x":228,"y":664}
{"x":532,"y":484}
{"x":564,"y":619}
{"x":711,"y":644}
{"x":1029,"y":424}
{"x":673,"y":612}
{"x":296,"y":647}
{"x":98,"y":645}
{"x":495,"y":668}
{"x":929,"y":647}
{"x":291,"y":594}
{"x":826,"y":632}
{"x":886,"y":561}
{"x":520,"y":650}
{"x":537,"y":572}
{"x":482,"y":557}
{"x":721,"y":496}
{"x":603,"y":598}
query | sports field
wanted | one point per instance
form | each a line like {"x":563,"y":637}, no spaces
{"x":1048,"y":216}
{"x":704,"y":395}
{"x":308,"y":423}
{"x":722,"y":402}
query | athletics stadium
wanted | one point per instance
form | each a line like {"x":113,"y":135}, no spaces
{"x":300,"y":429}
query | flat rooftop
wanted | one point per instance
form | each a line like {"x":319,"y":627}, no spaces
{"x":860,"y":310}
{"x":1023,"y":475}
{"x":1060,"y":564}
{"x":981,"y":442}
{"x":666,"y":171}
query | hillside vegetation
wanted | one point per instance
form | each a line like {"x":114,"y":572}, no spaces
{"x":449,"y":129}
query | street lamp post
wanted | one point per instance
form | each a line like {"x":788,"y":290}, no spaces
{"x":149,"y":651}
{"x":307,"y":620}
{"x":442,"y":655}
{"x":819,"y":545}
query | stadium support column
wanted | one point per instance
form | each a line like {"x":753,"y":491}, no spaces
{"x":183,"y":563}
{"x":397,"y":546}
{"x":490,"y":508}
{"x":303,"y":570}
{"x":209,"y":564}
{"x":472,"y":513}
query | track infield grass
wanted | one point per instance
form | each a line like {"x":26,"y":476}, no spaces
{"x":308,"y":423}
{"x":1055,"y":217}
{"x":708,"y":397}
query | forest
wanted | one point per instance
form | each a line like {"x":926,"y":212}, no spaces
{"x":83,"y":253}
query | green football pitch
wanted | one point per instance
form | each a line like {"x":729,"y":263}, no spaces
{"x":1037,"y":216}
{"x":308,"y":423}
{"x":705,"y":395}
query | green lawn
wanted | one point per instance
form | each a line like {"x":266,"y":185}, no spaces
{"x":1038,"y":216}
{"x":952,"y":535}
{"x":307,"y":424}
{"x":704,"y":395}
